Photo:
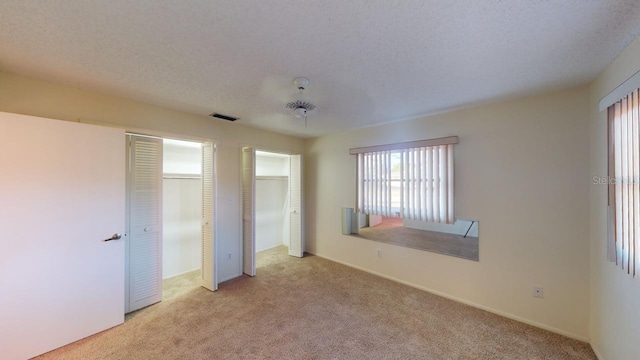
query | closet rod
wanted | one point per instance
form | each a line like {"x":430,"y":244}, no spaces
{"x":272,"y":178}
{"x":192,"y":177}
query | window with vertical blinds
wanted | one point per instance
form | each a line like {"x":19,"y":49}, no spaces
{"x":624,"y":176}
{"x":408,"y":180}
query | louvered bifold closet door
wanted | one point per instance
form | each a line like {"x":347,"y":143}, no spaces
{"x":296,"y":245}
{"x":145,"y":222}
{"x":208,"y":278}
{"x":248,"y":211}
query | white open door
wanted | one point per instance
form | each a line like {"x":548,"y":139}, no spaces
{"x":62,"y":194}
{"x":144,"y":237}
{"x":248,"y":211}
{"x":296,"y":244}
{"x":208,"y":277}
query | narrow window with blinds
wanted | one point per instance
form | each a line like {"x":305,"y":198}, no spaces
{"x":624,"y":176}
{"x":411,"y":180}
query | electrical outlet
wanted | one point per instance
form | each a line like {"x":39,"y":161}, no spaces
{"x":379,"y":252}
{"x":229,"y":256}
{"x":538,"y":292}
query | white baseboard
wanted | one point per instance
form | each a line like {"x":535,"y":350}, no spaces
{"x":269,"y":248}
{"x":466,"y":302}
{"x":232,"y":276}
{"x":595,"y":351}
{"x":182,"y":273}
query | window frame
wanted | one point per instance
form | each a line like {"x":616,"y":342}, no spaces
{"x":424,"y":162}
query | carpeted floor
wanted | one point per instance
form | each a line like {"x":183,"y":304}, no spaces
{"x":312,"y":308}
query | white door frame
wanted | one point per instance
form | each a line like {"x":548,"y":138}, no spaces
{"x":208,"y":283}
{"x":296,"y":211}
{"x":249,"y":211}
{"x":252,"y":256}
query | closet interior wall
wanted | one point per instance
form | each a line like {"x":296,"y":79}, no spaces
{"x":182,"y":208}
{"x":272,"y":201}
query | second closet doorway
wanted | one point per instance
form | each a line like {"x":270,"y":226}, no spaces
{"x":272,"y":204}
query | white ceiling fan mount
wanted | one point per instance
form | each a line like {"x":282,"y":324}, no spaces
{"x":302,"y":106}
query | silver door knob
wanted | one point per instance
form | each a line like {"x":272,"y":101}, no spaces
{"x":115,"y":236}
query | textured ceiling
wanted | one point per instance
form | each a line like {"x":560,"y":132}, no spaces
{"x":369,"y":62}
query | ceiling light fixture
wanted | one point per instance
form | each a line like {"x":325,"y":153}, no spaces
{"x":302,"y":106}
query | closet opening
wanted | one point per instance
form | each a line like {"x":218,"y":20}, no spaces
{"x":181,"y":216}
{"x":169,"y":241}
{"x":272,"y":201}
{"x":271,"y":205}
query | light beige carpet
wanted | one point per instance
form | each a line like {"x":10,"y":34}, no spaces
{"x":312,"y":308}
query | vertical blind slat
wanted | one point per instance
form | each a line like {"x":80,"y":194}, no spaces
{"x":450,"y":192}
{"x":636,"y":187}
{"x":370,"y":192}
{"x":618,"y":184}
{"x":436,"y":184}
{"x":414,"y":187}
{"x":611,"y":199}
{"x":409,"y":183}
{"x":376,"y":181}
{"x":630,"y":217}
{"x":383,"y":193}
{"x":443,"y":184}
{"x":401,"y":213}
{"x":625,"y":187}
{"x":389,"y":184}
{"x":382,"y":185}
{"x":630,"y":186}
{"x":365,"y":182}
{"x":429,"y":197}
{"x":420,"y":183}
{"x":361,"y":179}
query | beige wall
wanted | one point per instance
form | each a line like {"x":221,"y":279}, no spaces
{"x":615,"y":296}
{"x":38,"y":98}
{"x":522,"y":170}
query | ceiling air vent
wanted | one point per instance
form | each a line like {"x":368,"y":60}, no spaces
{"x":224,"y":117}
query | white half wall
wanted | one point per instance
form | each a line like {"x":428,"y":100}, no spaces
{"x":615,"y":296}
{"x":522,"y":171}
